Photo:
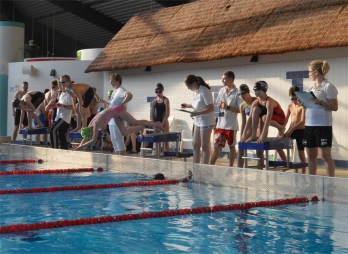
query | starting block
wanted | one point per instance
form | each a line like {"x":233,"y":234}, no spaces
{"x":78,"y":135}
{"x":34,"y":131}
{"x":271,"y":144}
{"x":160,"y":138}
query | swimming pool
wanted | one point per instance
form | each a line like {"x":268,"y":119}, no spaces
{"x":301,"y":228}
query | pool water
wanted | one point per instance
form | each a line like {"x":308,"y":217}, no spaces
{"x":303,"y":228}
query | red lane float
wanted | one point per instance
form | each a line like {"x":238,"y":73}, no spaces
{"x":16,"y":161}
{"x":48,"y":171}
{"x":147,"y":215}
{"x":88,"y":187}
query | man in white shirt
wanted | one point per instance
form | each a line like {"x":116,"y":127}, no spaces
{"x":228,"y":103}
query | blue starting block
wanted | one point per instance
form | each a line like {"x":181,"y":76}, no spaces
{"x":100,"y":135}
{"x":271,"y":144}
{"x":161,"y":138}
{"x":78,"y":134}
{"x":34,"y":131}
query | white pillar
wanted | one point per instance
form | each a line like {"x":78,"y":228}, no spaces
{"x":11,"y":50}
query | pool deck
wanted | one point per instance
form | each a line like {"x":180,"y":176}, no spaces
{"x":339,"y":172}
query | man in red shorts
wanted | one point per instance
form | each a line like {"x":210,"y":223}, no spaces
{"x":228,"y":103}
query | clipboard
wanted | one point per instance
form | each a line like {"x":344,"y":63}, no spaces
{"x":184,"y":110}
{"x":304,"y":97}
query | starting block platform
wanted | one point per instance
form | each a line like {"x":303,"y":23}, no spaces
{"x":100,"y":135}
{"x":271,"y":144}
{"x":78,"y":134}
{"x":161,"y":138}
{"x":34,"y":131}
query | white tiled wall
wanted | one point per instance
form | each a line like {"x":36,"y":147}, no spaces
{"x":142,"y":84}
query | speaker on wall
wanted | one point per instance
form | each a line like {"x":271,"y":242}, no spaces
{"x":53,"y":72}
{"x":27,"y":68}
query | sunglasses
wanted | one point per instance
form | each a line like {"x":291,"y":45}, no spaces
{"x":63,"y":82}
{"x":158,"y":91}
{"x":241,"y":93}
{"x":293,"y":98}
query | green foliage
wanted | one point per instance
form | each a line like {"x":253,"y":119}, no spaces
{"x":31,"y":49}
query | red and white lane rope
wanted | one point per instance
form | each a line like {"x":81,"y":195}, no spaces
{"x":87,"y":187}
{"x":18,"y":161}
{"x":48,"y":171}
{"x":147,"y":215}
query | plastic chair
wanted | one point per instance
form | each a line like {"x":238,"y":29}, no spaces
{"x":186,"y":136}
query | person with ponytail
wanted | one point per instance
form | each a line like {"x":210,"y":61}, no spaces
{"x":204,"y":117}
{"x":318,"y":118}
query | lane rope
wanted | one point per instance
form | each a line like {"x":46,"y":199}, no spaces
{"x":48,"y":171}
{"x":147,"y":215}
{"x":16,"y":161}
{"x":87,"y":187}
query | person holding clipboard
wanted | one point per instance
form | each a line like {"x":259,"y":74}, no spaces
{"x":318,"y":117}
{"x":204,"y":118}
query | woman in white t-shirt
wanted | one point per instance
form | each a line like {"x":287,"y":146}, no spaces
{"x":203,"y":114}
{"x":119,"y":97}
{"x":63,"y":118}
{"x":318,"y":118}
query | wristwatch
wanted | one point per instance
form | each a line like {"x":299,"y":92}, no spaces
{"x":228,"y":107}
{"x":321,"y":103}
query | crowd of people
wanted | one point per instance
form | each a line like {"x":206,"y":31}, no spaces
{"x":70,"y":106}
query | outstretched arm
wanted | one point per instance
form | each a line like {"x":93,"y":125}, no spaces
{"x":90,"y":142}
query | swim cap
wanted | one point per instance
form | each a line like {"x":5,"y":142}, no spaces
{"x":110,"y":93}
{"x":100,"y":110}
{"x":86,"y":133}
{"x":261,"y":85}
{"x":244,"y":88}
{"x":159,"y":176}
{"x":15,"y":103}
{"x":159,"y":87}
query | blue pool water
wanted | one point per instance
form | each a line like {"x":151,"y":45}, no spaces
{"x":304,"y":228}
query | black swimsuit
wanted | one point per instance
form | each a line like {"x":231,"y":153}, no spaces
{"x":160,"y":111}
{"x":37,"y":98}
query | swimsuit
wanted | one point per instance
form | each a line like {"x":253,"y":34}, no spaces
{"x":37,"y":98}
{"x":88,"y":97}
{"x":246,"y":108}
{"x":160,"y":110}
{"x":278,"y":114}
{"x":106,"y":115}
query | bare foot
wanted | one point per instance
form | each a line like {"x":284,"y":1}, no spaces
{"x":281,"y":132}
{"x":27,"y":128}
{"x":75,"y":130}
{"x":39,"y":127}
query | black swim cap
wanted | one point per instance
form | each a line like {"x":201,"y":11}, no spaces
{"x":159,"y":87}
{"x":244,"y":88}
{"x":261,"y":85}
{"x":159,"y":176}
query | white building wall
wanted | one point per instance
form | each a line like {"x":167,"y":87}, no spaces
{"x":273,"y":69}
{"x":40,"y":80}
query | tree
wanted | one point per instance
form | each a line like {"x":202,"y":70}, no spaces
{"x":31,"y":49}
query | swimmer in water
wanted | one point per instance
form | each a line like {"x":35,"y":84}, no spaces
{"x":119,"y":114}
{"x":186,"y":178}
